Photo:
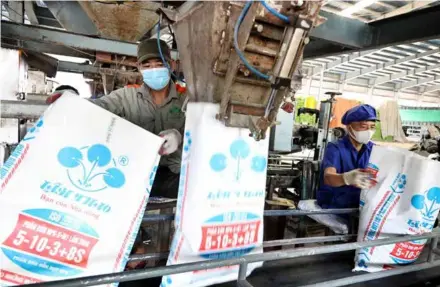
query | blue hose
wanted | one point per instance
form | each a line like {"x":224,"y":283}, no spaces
{"x":274,"y":12}
{"x":237,"y":49}
{"x":161,"y":55}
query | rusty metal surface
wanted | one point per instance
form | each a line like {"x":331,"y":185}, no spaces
{"x":116,"y":59}
{"x":234,"y":60}
{"x":127,"y":21}
{"x":246,"y":110}
{"x":268,"y":31}
{"x":212,"y":68}
{"x":204,"y":37}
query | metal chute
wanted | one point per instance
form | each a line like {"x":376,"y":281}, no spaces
{"x":213,"y":69}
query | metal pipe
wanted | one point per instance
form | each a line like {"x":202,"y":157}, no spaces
{"x":373,"y":276}
{"x":308,"y":240}
{"x":148,"y":256}
{"x":271,"y":243}
{"x":269,"y":256}
{"x":291,"y":212}
{"x":243,"y":283}
{"x":436,"y":252}
{"x":321,"y":79}
{"x":432,"y":247}
{"x":296,"y":212}
{"x":19,"y":109}
{"x":242,"y":271}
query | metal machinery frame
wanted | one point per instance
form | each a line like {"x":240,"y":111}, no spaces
{"x":267,"y":256}
{"x":250,"y":85}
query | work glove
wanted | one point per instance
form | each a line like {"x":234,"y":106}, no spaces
{"x":358,"y":178}
{"x":172,"y":139}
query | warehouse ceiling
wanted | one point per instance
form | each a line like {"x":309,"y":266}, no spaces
{"x":369,"y":11}
{"x":391,"y":44}
{"x":411,"y":67}
{"x":350,"y":26}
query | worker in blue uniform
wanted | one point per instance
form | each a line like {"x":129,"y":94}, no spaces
{"x":343,"y":173}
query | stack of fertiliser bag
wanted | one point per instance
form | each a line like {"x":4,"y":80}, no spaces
{"x":73,"y":194}
{"x":405,"y":201}
{"x":221,"y":198}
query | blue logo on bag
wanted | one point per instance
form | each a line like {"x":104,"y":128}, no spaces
{"x":93,"y":171}
{"x":239,"y":150}
{"x":363,"y":258}
{"x":428,"y":203}
{"x":399,"y":184}
{"x":32,"y":131}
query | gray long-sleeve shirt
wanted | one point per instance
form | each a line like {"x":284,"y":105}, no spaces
{"x":137,"y":106}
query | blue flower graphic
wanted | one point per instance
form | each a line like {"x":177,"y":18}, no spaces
{"x":427,"y":203}
{"x":239,"y":150}
{"x":259,"y":163}
{"x":99,"y":156}
{"x":218,"y":162}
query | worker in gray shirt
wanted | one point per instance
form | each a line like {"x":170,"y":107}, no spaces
{"x":157,"y":107}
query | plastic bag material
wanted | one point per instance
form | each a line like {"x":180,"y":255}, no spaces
{"x":220,"y":205}
{"x":405,"y":201}
{"x":73,"y":194}
{"x":336,"y":223}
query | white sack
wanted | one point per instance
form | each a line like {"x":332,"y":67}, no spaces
{"x":221,"y":198}
{"x":336,"y":223}
{"x":406,"y":200}
{"x":73,"y":194}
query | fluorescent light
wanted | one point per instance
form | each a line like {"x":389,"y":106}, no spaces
{"x":356,"y":7}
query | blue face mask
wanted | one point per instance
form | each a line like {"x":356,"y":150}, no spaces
{"x":156,"y":78}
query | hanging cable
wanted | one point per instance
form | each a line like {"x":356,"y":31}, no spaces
{"x":275,"y":12}
{"x":161,"y":55}
{"x":237,"y":49}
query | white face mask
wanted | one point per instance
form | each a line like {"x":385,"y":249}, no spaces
{"x":362,"y":137}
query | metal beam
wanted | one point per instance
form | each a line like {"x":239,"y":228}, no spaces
{"x":343,"y":31}
{"x":317,"y":48}
{"x":392,"y":77}
{"x":419,"y":82}
{"x":57,"y":37}
{"x":420,"y":25}
{"x":71,"y":67}
{"x":46,"y":48}
{"x":72,"y":17}
{"x":64,"y":66}
{"x":18,"y":109}
{"x":381,"y":66}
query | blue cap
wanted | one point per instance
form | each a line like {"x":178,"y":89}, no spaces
{"x":359,"y":114}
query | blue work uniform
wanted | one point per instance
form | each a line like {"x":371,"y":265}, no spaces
{"x":344,"y":157}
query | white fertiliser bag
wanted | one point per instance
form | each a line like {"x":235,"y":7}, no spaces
{"x":336,"y":223}
{"x":221,"y":198}
{"x":73,"y":194}
{"x":406,"y":200}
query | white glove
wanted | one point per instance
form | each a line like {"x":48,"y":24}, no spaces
{"x":172,"y":141}
{"x":358,"y":178}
